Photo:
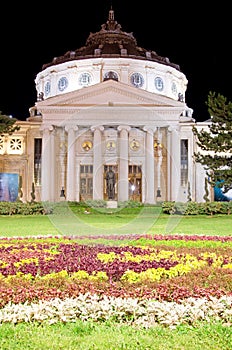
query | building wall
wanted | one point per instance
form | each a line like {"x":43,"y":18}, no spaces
{"x":84,"y":132}
{"x":67,"y":155}
{"x":17,"y":157}
{"x":156,"y":78}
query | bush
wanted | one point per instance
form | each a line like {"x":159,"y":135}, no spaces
{"x":194,"y":208}
{"x":12,"y":208}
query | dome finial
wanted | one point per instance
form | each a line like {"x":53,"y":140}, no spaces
{"x":111,"y":13}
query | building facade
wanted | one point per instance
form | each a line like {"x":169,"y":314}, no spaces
{"x":110,"y":123}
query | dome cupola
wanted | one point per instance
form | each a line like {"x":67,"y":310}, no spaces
{"x":111,"y":53}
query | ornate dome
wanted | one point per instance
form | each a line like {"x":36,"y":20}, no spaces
{"x":111,"y":54}
{"x":111,"y":42}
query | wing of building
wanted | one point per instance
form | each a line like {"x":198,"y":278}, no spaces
{"x":107,"y":106}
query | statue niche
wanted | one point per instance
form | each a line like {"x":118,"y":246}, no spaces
{"x":110,"y":184}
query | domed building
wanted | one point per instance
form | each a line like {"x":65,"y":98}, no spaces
{"x":110,"y":123}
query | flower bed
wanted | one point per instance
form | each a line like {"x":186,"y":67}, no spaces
{"x":166,"y":279}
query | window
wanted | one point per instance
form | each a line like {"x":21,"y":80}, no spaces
{"x":2,"y":145}
{"x":86,"y":182}
{"x":111,"y":75}
{"x":86,"y":169}
{"x":159,"y":84}
{"x":137,"y":80}
{"x":85,"y":79}
{"x":134,"y":169}
{"x":37,"y":161}
{"x":184,"y":162}
{"x":135,"y":182}
{"x":47,"y":88}
{"x":15,"y":145}
{"x":62,"y":83}
{"x":174,"y":88}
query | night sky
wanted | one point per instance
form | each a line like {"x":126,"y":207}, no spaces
{"x":198,"y":40}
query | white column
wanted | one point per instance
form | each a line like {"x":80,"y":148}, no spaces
{"x":149,"y":165}
{"x":123,"y":184}
{"x":191,"y":168}
{"x":53,"y":170}
{"x":159,"y":162}
{"x":169,"y":163}
{"x":62,"y":157}
{"x":46,"y":176}
{"x":71,"y":160}
{"x":97,"y":163}
{"x":175,"y":164}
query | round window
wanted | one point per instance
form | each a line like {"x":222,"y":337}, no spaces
{"x":62,"y":83}
{"x":85,"y":79}
{"x":159,"y":84}
{"x":137,"y":80}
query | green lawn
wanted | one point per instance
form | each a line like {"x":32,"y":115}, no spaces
{"x":107,"y":336}
{"x":135,"y":220}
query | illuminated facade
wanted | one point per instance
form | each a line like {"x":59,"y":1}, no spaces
{"x":108,"y":105}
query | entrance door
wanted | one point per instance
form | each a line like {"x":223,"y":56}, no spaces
{"x":135,"y":183}
{"x":86,"y":182}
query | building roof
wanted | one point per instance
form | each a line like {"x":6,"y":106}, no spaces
{"x":111,"y":42}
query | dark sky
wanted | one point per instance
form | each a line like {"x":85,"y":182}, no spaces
{"x":198,"y":40}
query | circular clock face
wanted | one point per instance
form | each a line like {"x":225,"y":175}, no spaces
{"x":62,"y":83}
{"x":87,"y":145}
{"x":137,"y":80}
{"x":85,"y":79}
{"x":159,"y":84}
{"x":47,"y":88}
{"x":134,"y":145}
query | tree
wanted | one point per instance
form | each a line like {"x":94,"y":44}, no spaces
{"x":7,"y":125}
{"x":216,"y":142}
{"x":32,"y":192}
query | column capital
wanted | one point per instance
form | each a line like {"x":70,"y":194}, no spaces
{"x":124,"y":127}
{"x":47,"y":127}
{"x":149,"y":129}
{"x":97,"y":127}
{"x":71,"y":127}
{"x":174,"y":128}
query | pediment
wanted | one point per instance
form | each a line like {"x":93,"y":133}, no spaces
{"x":111,"y":93}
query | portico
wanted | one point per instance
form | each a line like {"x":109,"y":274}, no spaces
{"x":125,"y":137}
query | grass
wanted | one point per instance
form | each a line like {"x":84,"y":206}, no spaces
{"x":134,"y":220}
{"x":18,"y":225}
{"x":108,"y":336}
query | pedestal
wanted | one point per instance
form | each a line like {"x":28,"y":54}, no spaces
{"x":111,"y":204}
